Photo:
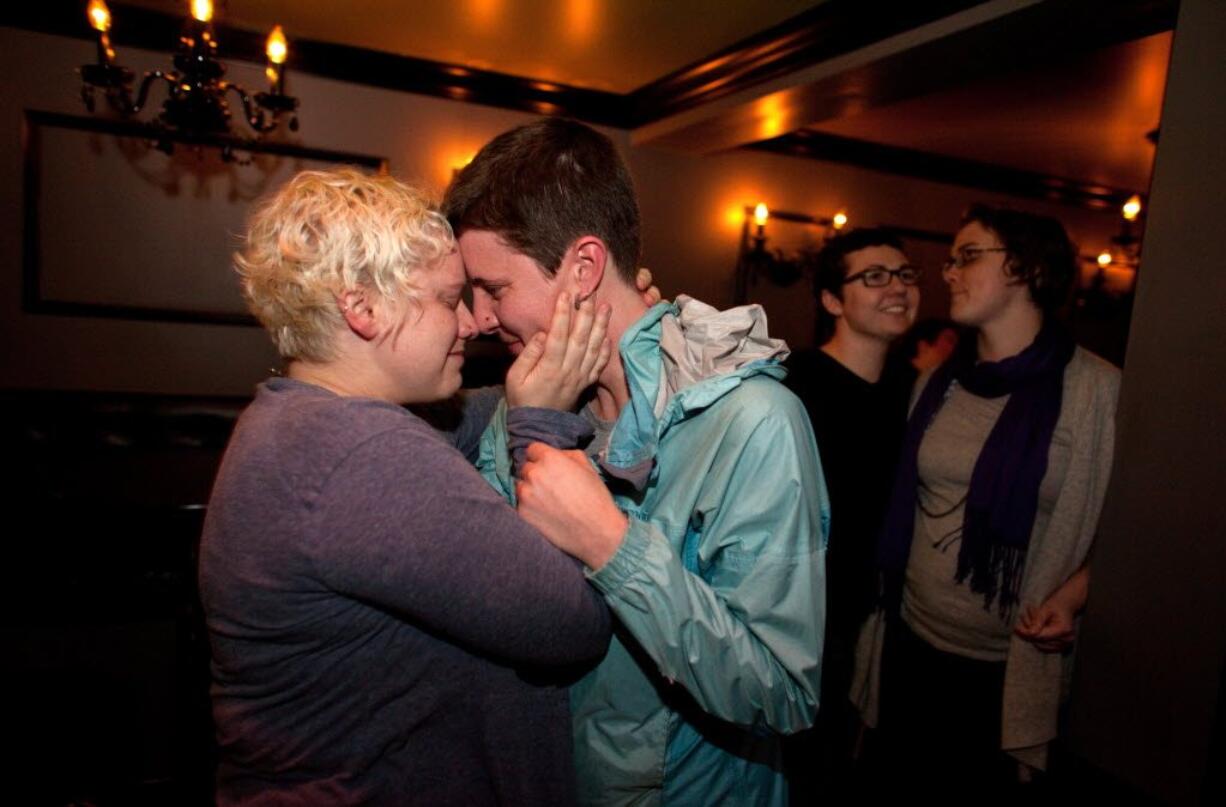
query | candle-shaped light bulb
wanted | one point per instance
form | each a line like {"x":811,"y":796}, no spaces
{"x":1132,"y":208}
{"x":100,"y":19}
{"x":840,"y":220}
{"x":277,"y":47}
{"x":202,"y":10}
{"x":99,"y":16}
{"x":760,"y":214}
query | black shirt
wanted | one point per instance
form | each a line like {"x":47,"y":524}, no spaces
{"x":859,"y":429}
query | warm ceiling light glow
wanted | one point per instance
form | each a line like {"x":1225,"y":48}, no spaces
{"x":840,"y":220}
{"x":202,"y":10}
{"x":99,"y":15}
{"x":484,"y":14}
{"x":1132,"y":208}
{"x":277,"y":46}
{"x":772,"y":116}
{"x":761,"y":214}
{"x":1104,"y":258}
{"x":580,"y":20}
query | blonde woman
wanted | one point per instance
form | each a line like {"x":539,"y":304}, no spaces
{"x":384,"y":627}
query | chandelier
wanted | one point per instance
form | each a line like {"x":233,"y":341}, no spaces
{"x":196,"y":90}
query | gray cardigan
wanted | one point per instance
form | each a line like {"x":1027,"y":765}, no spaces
{"x":1033,"y":679}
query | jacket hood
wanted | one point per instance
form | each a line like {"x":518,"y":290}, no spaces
{"x":679,"y":358}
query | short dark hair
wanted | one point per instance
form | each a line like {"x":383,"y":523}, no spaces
{"x":831,"y":268}
{"x":1040,"y":253}
{"x":542,"y":185}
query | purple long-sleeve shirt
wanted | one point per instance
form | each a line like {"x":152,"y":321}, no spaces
{"x":384,"y":628}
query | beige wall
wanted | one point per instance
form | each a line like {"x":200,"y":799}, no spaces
{"x":691,"y":209}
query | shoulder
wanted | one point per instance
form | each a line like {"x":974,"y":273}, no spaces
{"x":759,"y":407}
{"x":1091,"y":382}
{"x":761,"y":395}
{"x":362,"y":420}
{"x":308,"y":433}
{"x":917,"y":389}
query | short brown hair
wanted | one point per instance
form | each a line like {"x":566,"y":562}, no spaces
{"x":542,"y":185}
{"x":1040,"y":253}
{"x":831,"y":268}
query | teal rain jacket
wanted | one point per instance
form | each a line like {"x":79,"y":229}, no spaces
{"x":719,"y":584}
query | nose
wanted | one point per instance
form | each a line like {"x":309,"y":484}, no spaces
{"x":483,"y":312}
{"x":467,"y":325}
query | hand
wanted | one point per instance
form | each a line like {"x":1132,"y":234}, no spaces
{"x":561,"y":495}
{"x":1048,"y":627}
{"x":554,"y":369}
{"x":642,"y":281}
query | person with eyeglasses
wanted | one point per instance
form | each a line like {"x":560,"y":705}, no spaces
{"x":867,"y":296}
{"x":983,"y":554}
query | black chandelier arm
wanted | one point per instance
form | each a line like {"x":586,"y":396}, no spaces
{"x":143,"y":95}
{"x":118,"y":93}
{"x":255,"y":115}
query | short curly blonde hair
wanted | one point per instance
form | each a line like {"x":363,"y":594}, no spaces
{"x":326,"y":232}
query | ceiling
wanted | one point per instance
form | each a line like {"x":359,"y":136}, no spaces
{"x":1085,"y":116}
{"x":1061,"y":89}
{"x":613,"y":45}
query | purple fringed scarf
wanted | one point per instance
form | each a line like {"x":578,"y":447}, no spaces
{"x":1004,"y":488}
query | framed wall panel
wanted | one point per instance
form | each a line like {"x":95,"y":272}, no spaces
{"x":126,"y":221}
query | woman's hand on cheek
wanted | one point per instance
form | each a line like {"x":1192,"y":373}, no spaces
{"x":555,"y":368}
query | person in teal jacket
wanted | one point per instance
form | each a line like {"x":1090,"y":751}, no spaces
{"x":718,"y":584}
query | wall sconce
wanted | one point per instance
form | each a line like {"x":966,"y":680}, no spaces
{"x":1121,"y":261}
{"x":195,"y":90}
{"x":754,"y":260}
{"x":1125,"y":251}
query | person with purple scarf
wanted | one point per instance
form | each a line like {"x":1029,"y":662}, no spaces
{"x":993,"y":510}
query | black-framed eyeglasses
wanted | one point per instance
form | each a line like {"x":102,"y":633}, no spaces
{"x":877,"y":276}
{"x":967,"y":255}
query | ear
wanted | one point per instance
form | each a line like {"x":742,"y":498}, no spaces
{"x":832,"y":304}
{"x":358,"y":309}
{"x":585,"y":264}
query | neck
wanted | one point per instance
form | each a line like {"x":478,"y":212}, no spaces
{"x":863,"y":355}
{"x":345,"y":375}
{"x":1010,"y":333}
{"x":612,"y":391}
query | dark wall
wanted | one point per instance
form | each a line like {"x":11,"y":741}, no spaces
{"x":1145,"y":705}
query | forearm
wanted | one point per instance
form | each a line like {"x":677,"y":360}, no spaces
{"x":748,"y":659}
{"x":554,"y":428}
{"x":1074,"y":592}
{"x":410,"y":527}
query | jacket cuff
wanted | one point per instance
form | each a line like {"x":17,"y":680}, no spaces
{"x":626,"y":562}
